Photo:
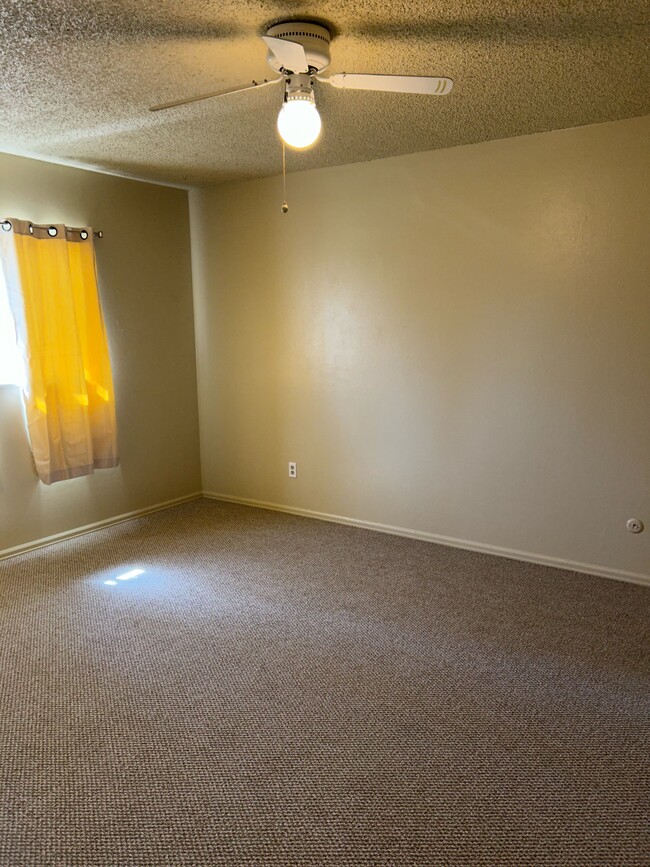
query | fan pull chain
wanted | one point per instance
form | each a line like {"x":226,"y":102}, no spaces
{"x":285,"y":207}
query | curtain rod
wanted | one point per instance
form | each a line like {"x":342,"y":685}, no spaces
{"x":6,"y":225}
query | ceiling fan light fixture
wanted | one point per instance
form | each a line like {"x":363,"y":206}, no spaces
{"x":299,"y":122}
{"x":300,"y":52}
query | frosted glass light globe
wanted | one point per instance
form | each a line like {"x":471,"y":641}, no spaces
{"x":299,"y":123}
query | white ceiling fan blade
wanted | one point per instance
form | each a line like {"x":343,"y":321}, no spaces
{"x":391,"y":83}
{"x":290,"y":55}
{"x":238,"y":89}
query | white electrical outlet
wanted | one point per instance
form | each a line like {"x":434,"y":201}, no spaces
{"x":293,"y":470}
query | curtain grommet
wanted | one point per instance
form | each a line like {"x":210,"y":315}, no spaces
{"x":52,"y":231}
{"x":83,"y":234}
{"x":6,"y":226}
{"x":31,"y":229}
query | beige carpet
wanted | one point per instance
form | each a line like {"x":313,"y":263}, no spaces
{"x":272,"y":690}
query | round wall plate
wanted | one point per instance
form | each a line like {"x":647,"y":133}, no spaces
{"x":313,"y":38}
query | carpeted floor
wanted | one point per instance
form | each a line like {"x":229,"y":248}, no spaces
{"x":272,"y":690}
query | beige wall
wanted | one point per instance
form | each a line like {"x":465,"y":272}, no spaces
{"x":454,"y":342}
{"x":145,"y":284}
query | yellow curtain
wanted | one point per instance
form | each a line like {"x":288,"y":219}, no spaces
{"x":68,"y":394}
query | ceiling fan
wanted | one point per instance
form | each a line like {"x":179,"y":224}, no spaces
{"x":300,"y":52}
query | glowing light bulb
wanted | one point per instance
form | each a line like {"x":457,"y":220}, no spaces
{"x":299,"y":122}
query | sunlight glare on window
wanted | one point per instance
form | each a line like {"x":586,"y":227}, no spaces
{"x":11,"y":364}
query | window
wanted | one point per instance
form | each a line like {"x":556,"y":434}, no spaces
{"x":11,"y":364}
{"x":68,"y":385}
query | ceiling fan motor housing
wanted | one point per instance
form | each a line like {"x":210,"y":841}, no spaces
{"x":313,"y":38}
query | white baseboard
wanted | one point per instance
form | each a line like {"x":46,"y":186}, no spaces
{"x":98,"y":525}
{"x":510,"y":553}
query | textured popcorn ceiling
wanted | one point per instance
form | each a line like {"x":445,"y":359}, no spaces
{"x":78,"y":77}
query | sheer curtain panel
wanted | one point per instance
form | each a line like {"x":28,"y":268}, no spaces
{"x":68,"y":394}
